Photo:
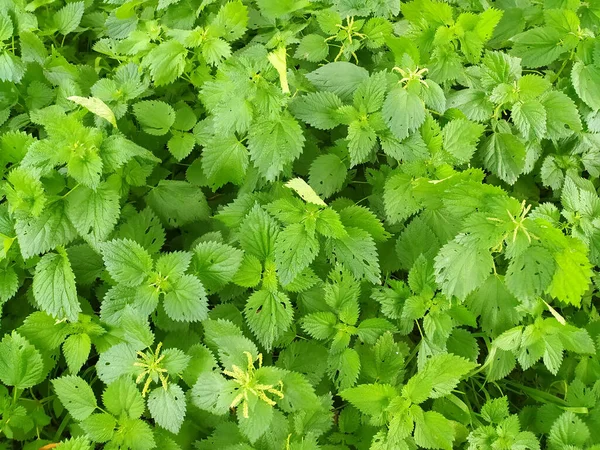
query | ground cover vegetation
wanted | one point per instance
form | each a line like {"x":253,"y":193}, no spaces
{"x":299,"y":225}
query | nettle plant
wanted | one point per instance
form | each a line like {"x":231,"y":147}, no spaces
{"x":299,"y":225}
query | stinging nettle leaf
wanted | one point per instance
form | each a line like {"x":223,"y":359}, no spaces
{"x":54,"y":287}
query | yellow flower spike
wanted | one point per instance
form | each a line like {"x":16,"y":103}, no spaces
{"x":248,"y":385}
{"x":149,"y":362}
{"x":146,"y":386}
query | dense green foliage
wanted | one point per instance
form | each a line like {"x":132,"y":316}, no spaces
{"x":299,"y":225}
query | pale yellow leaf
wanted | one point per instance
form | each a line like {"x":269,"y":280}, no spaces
{"x":304,"y":190}
{"x":96,"y":106}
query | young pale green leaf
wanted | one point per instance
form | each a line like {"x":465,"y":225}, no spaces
{"x":167,"y":407}
{"x":76,"y":395}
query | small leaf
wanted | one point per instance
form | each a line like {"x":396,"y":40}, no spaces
{"x":76,"y":395}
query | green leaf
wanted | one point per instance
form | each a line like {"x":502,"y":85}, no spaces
{"x":358,"y":253}
{"x":504,"y":154}
{"x":495,"y":410}
{"x":67,"y":18}
{"x":6,"y":27}
{"x":461,"y":137}
{"x":496,"y":305}
{"x":461,"y":267}
{"x":127,"y":261}
{"x":167,"y":407}
{"x":572,"y":276}
{"x":269,"y":315}
{"x":433,"y":430}
{"x":568,"y":431}
{"x":344,"y":368}
{"x":313,"y":48}
{"x":371,"y":399}
{"x":438,"y":377}
{"x":21,"y":363}
{"x":99,"y":427}
{"x":327,"y":174}
{"x":530,"y":118}
{"x":134,"y":434}
{"x":274,"y":143}
{"x":412,"y":116}
{"x":537,"y":47}
{"x":320,"y":325}
{"x":123,"y":397}
{"x":54,"y":287}
{"x":318,"y":109}
{"x":166,"y":63}
{"x":174,"y":264}
{"x":295,"y":249}
{"x":76,"y":395}
{"x":155,"y":117}
{"x":398,"y":198}
{"x":584,"y":78}
{"x":361,"y":141}
{"x":9,"y":284}
{"x":12,"y":68}
{"x":216,"y":264}
{"x":94,"y":213}
{"x":329,"y":224}
{"x":530,"y":273}
{"x":181,"y":144}
{"x":210,"y":393}
{"x":564,"y":118}
{"x":224,"y":160}
{"x":76,"y":349}
{"x":249,"y":273}
{"x":258,"y":233}
{"x":117,"y":361}
{"x":340,"y":77}
{"x":231,"y":21}
{"x":178,"y":203}
{"x":186,"y":301}
{"x":51,"y":229}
